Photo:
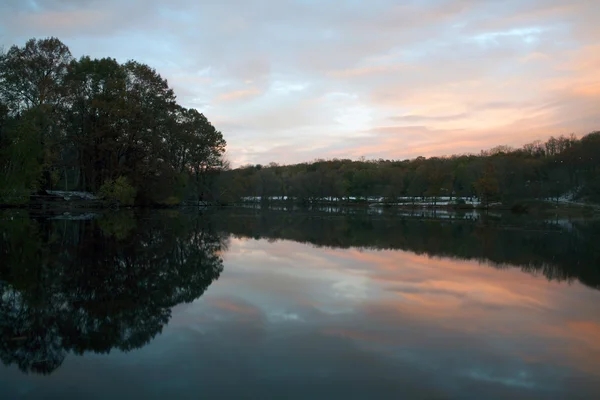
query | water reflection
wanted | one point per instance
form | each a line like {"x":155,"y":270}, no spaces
{"x":434,"y":328}
{"x":307,"y":305}
{"x":96,"y":285}
{"x":560,"y":249}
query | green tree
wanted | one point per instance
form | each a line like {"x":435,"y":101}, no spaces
{"x":20,"y":172}
{"x":198,"y":148}
{"x":118,"y":192}
{"x":32,"y":79}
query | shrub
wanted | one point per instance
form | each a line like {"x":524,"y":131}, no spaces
{"x":118,"y":191}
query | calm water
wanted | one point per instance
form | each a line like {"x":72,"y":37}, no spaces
{"x":250,"y":304}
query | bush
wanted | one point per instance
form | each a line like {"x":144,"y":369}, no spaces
{"x":118,"y":192}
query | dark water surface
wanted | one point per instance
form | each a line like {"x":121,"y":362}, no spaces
{"x":292,"y":305}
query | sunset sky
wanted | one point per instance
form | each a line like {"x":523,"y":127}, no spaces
{"x":295,"y":80}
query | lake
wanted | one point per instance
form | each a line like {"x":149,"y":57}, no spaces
{"x":350,"y":304}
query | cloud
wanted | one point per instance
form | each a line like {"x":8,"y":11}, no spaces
{"x":467,"y":70}
{"x":425,"y":118}
{"x":364,"y":71}
{"x":238,"y":94}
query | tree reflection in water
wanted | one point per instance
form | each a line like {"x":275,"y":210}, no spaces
{"x":559,"y":249}
{"x":111,"y":282}
{"x":97,"y":285}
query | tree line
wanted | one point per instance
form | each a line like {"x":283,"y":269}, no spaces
{"x":99,"y":126}
{"x":539,"y":170}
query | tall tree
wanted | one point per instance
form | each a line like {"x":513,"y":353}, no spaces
{"x":32,"y":81}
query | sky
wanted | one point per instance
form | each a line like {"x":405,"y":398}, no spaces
{"x":296,"y":80}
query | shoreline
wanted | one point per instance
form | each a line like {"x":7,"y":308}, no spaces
{"x":525,"y":207}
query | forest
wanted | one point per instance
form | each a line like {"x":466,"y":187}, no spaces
{"x":563,"y":168}
{"x":116,"y":131}
{"x":98,"y":126}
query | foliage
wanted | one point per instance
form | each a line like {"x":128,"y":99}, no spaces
{"x":118,"y":191}
{"x":91,"y":121}
{"x":560,"y":167}
{"x":20,"y":170}
{"x":487,"y":185}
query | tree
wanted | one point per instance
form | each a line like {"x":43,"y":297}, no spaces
{"x":96,"y":121}
{"x":32,"y":80}
{"x":20,"y":172}
{"x":563,"y":165}
{"x":198,"y":148}
{"x":487,"y":185}
{"x":418,"y":184}
{"x":33,"y":75}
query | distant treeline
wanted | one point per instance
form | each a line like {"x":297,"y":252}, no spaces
{"x":559,"y":168}
{"x":99,"y":126}
{"x":558,"y":252}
